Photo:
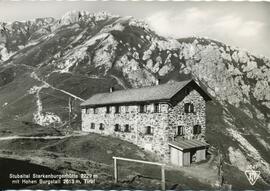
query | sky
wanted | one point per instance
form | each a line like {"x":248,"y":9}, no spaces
{"x":240,"y":24}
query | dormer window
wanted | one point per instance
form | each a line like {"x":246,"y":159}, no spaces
{"x":189,"y":108}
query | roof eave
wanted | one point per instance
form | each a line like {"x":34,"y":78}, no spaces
{"x":126,"y":103}
{"x":185,"y":149}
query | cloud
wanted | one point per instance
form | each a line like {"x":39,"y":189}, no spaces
{"x":189,"y":22}
{"x":195,"y":22}
{"x":251,"y":28}
{"x":238,"y":26}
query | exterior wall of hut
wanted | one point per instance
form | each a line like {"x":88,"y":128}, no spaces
{"x":129,"y":115}
{"x":178,"y":117}
{"x":164,"y":123}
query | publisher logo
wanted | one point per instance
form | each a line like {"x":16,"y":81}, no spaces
{"x":252,"y":175}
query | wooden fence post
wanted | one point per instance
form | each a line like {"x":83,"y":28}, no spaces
{"x":163,"y":178}
{"x":115,"y":171}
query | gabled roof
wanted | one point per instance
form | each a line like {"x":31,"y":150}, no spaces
{"x":156,"y":93}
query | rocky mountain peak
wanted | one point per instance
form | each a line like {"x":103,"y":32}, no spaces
{"x":82,"y":54}
{"x":72,"y":17}
{"x":76,"y":16}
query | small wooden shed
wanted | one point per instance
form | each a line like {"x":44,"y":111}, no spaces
{"x":185,"y":152}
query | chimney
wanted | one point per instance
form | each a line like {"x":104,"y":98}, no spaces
{"x":111,"y":89}
{"x":157,"y":81}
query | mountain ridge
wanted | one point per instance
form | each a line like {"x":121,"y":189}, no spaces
{"x":81,"y":54}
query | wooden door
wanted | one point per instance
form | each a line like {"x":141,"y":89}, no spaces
{"x":176,"y":157}
{"x":180,"y":159}
{"x":186,"y":157}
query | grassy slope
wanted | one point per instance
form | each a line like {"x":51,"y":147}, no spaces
{"x":218,"y":138}
{"x":93,"y":154}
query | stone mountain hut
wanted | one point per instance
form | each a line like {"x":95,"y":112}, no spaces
{"x":168,"y":119}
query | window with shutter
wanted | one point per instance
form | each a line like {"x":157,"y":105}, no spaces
{"x":189,"y":108}
{"x":117,"y":128}
{"x":101,"y":126}
{"x":92,"y":125}
{"x":148,"y":130}
{"x":156,"y":108}
{"x":117,"y":109}
{"x":180,"y":130}
{"x":127,"y":128}
{"x":197,"y":129}
{"x":108,"y":109}
{"x":142,"y":108}
{"x":126,"y":108}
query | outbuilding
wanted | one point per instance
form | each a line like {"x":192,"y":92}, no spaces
{"x":185,"y":152}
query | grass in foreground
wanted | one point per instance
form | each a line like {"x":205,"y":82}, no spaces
{"x":93,"y":154}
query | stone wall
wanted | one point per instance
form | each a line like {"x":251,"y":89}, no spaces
{"x":178,"y":117}
{"x":163,"y":123}
{"x":137,"y":122}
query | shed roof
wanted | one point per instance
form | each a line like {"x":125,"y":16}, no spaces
{"x":188,"y":144}
{"x":163,"y":92}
